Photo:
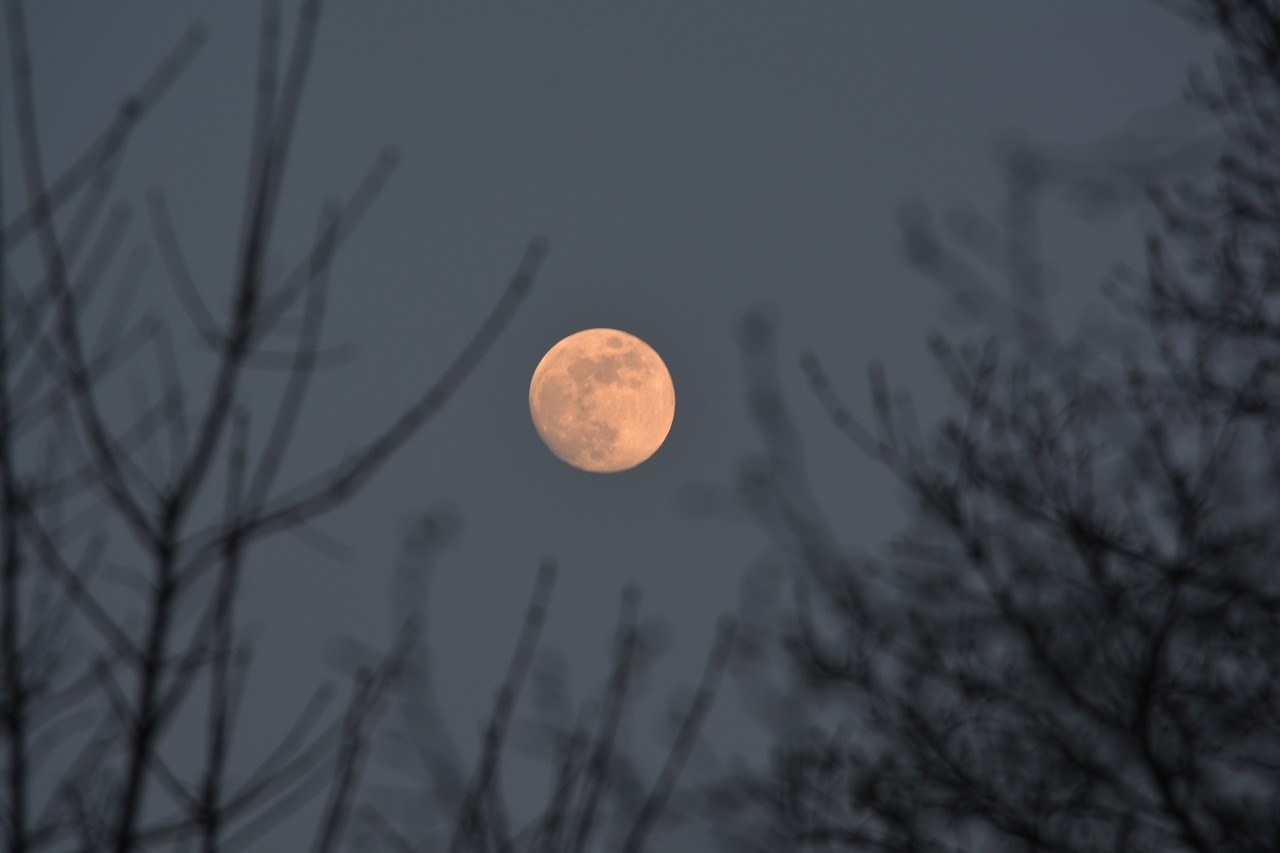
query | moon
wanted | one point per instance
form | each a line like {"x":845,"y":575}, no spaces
{"x":602,"y":400}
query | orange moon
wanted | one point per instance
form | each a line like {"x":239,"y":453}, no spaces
{"x":602,"y":400}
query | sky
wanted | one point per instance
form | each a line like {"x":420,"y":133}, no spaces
{"x":686,"y":161}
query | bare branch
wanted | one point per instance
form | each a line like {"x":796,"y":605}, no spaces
{"x":468,"y":828}
{"x":685,"y":739}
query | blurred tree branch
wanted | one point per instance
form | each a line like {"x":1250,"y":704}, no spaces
{"x":594,"y":801}
{"x":1076,"y":646}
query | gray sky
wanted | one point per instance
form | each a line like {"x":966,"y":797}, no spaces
{"x":686,"y":160}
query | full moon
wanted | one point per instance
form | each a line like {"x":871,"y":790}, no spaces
{"x":602,"y":400}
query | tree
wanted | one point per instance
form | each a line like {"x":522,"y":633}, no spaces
{"x":167,"y":502}
{"x":87,"y":695}
{"x":1076,"y":646}
{"x":93,"y":680}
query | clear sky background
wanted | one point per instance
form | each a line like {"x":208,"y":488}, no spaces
{"x":686,"y":159}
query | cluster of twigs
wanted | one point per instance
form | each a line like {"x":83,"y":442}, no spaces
{"x":1077,"y":646}
{"x":596,"y":798}
{"x":93,"y":679}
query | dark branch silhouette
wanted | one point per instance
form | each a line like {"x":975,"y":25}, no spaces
{"x":591,"y":803}
{"x":126,"y":538}
{"x":1076,"y":644}
{"x":94,"y":677}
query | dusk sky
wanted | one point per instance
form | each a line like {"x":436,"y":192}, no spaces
{"x":686,"y":161}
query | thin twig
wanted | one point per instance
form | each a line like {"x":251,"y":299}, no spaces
{"x":179,"y":271}
{"x":300,"y":373}
{"x":615,"y":699}
{"x":468,"y":825}
{"x":685,"y":739}
{"x":220,"y":698}
{"x":112,"y":139}
{"x":365,"y":703}
{"x":336,"y":485}
{"x":56,"y":272}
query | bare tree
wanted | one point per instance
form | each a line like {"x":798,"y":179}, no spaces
{"x":93,"y":677}
{"x":125,"y":536}
{"x":1076,"y":646}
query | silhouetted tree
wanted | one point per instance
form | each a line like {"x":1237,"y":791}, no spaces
{"x":1076,"y":646}
{"x":124,"y":535}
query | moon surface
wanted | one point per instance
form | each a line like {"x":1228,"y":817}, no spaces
{"x":602,"y":400}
